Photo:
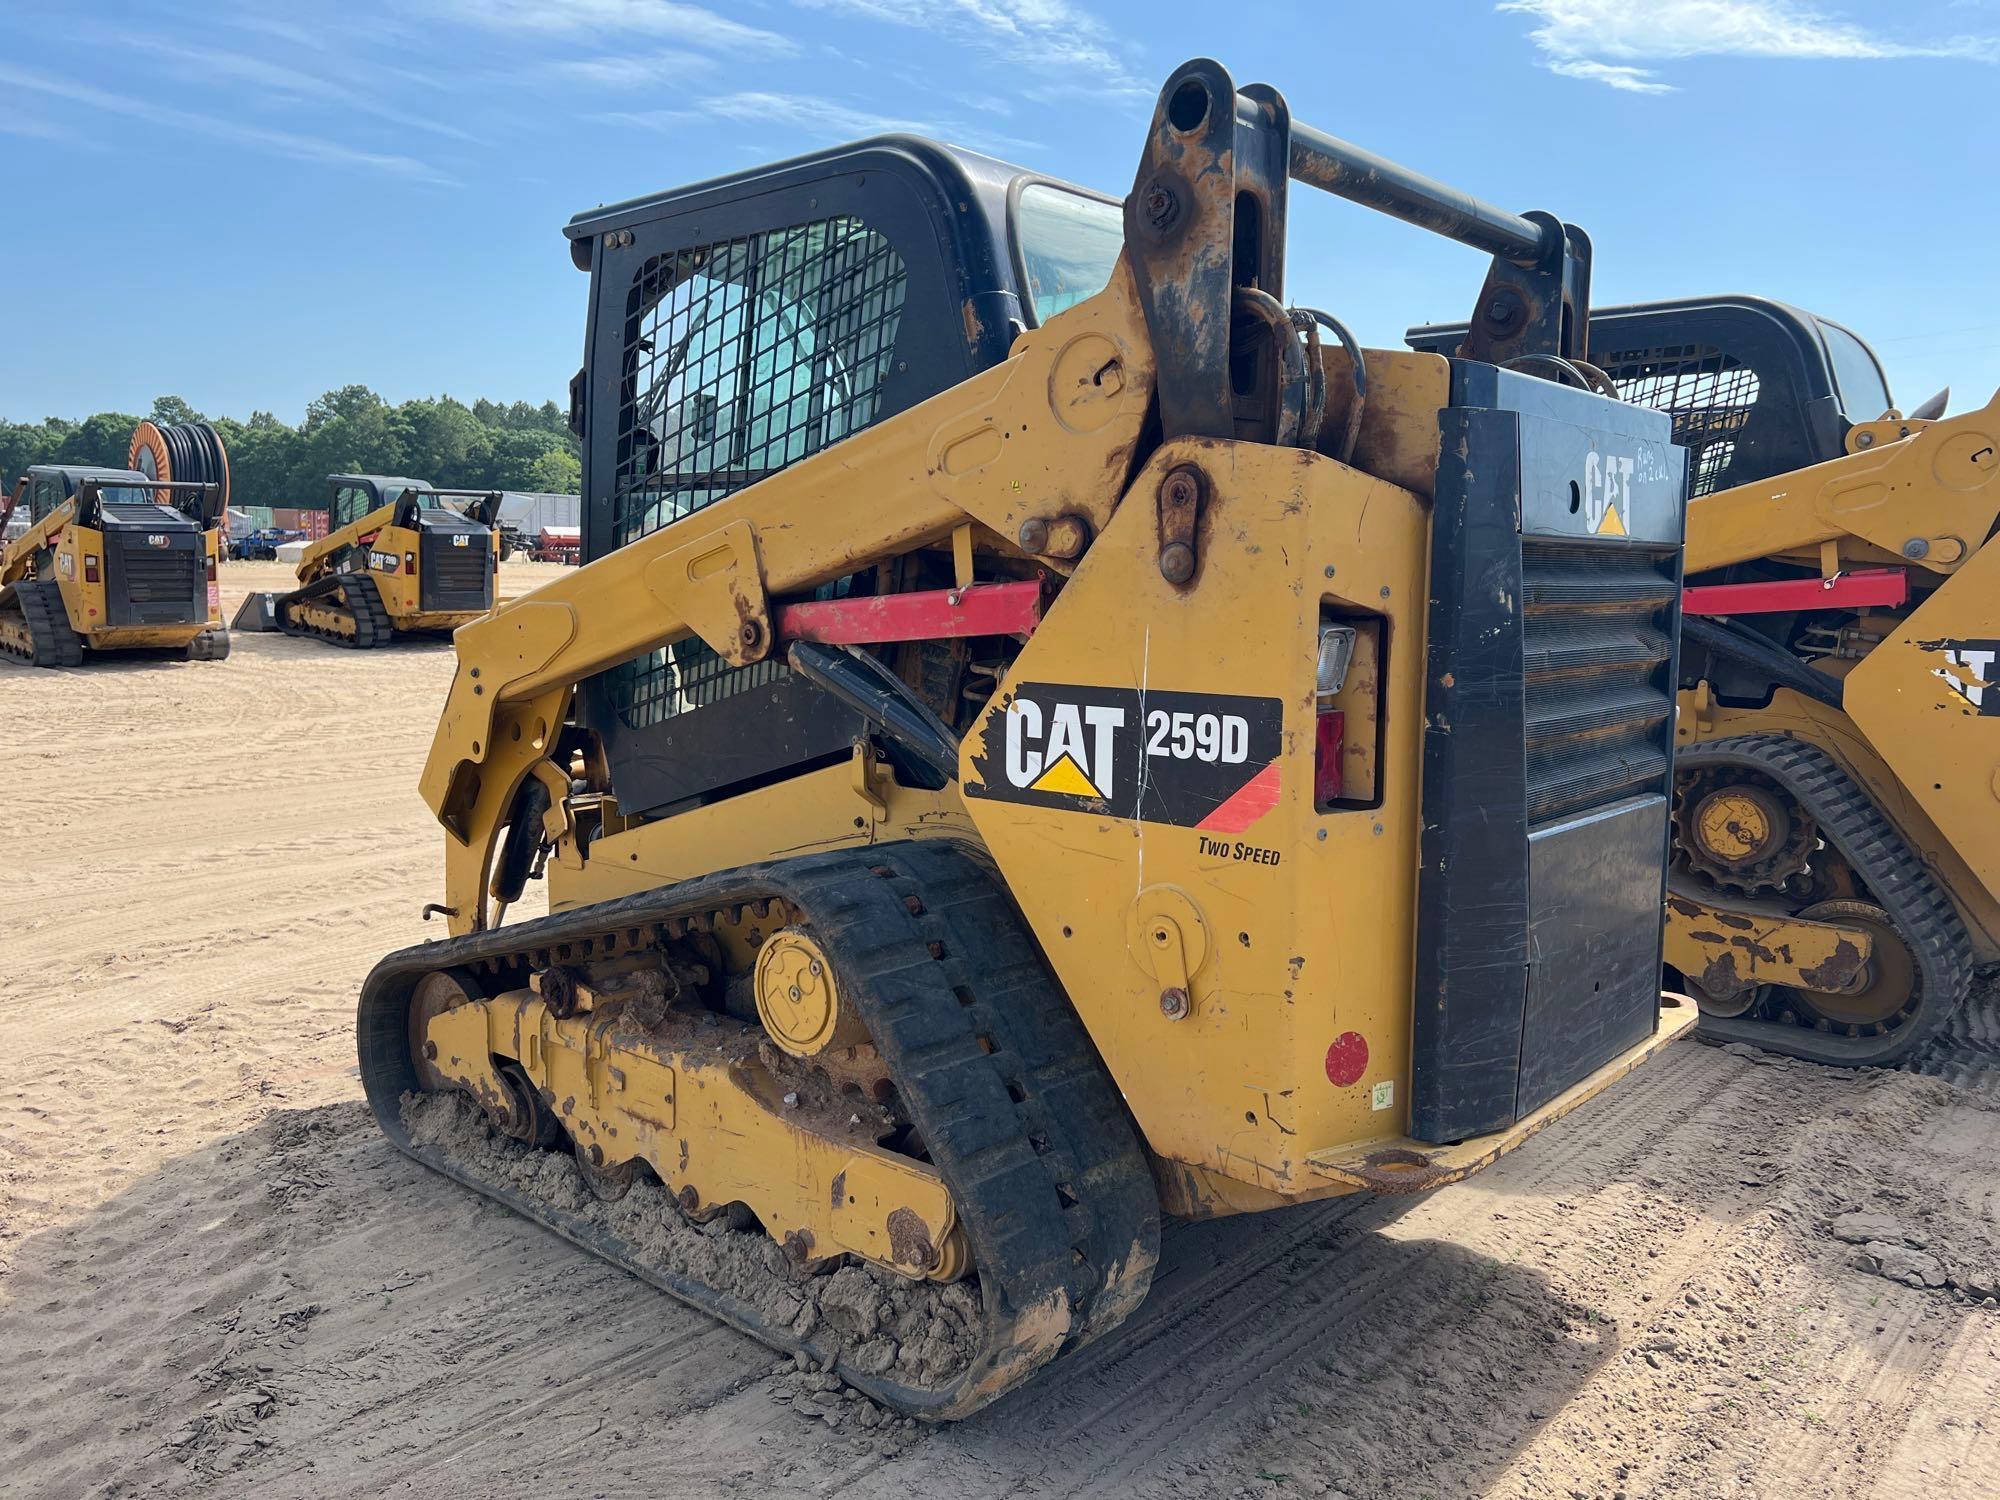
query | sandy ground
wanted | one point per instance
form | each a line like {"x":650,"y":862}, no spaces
{"x":216,"y":1279}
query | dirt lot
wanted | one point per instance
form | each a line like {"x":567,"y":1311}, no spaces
{"x":216,"y":1278}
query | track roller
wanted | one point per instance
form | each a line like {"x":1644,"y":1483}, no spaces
{"x":1859,"y":872}
{"x":35,"y":628}
{"x":931,"y":1075}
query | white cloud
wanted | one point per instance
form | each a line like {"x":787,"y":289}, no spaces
{"x":208,"y":64}
{"x":283,"y":143}
{"x":1620,"y":76}
{"x":1050,"y":35}
{"x":1604,"y":40}
{"x":622,"y":71}
{"x":757,"y":107}
{"x":617,"y":18}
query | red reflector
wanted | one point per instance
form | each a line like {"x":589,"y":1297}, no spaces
{"x":1327,"y":734}
{"x":211,"y":570}
{"x":89,"y":568}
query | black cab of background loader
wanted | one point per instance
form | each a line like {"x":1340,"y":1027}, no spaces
{"x":1755,"y":387}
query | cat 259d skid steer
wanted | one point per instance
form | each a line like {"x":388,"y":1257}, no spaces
{"x":112,"y":560}
{"x":398,"y":560}
{"x":1042,"y":740}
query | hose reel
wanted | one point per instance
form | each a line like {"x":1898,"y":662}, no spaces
{"x":185,"y":453}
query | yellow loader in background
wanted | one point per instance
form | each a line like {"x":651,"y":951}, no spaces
{"x":397,"y":559}
{"x":112,"y":560}
{"x":1836,"y":884}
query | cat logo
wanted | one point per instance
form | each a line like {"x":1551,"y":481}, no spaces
{"x":1060,"y":763}
{"x":1969,"y":671}
{"x":1607,"y":480}
{"x":158,"y":540}
{"x":1196,"y":760}
{"x":461,"y":541}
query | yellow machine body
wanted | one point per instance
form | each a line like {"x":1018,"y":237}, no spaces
{"x":67,"y":552}
{"x":392,"y":556}
{"x":1910,"y":715}
{"x":1041,"y":813}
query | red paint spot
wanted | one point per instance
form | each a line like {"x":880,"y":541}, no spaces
{"x":1246,"y":804}
{"x":1347,"y":1058}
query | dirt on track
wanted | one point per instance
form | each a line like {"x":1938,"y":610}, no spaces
{"x":216,"y":1278}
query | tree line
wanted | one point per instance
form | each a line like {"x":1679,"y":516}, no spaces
{"x":484,"y":446}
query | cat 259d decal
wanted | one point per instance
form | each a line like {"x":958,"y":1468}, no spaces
{"x":1193,"y":760}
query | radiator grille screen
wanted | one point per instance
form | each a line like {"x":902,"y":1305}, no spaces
{"x":1595,"y":647}
{"x":158,"y":576}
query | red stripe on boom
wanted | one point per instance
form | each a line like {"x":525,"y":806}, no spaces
{"x":1870,"y":586}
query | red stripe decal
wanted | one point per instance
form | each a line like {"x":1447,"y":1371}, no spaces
{"x":1246,"y":804}
{"x":1857,"y":590}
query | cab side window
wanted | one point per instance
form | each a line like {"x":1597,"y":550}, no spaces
{"x":350,"y":504}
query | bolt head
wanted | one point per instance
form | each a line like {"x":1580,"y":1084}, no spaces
{"x":1916,"y":547}
{"x":1174,"y":1003}
{"x":1180,"y":488}
{"x":749,"y":633}
{"x":1033,"y":535}
{"x":1177,"y":562}
{"x":596,"y":1155}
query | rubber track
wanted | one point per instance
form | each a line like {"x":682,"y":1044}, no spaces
{"x":55,"y":643}
{"x":371,"y":620}
{"x":1896,"y":878}
{"x":996,"y":1072}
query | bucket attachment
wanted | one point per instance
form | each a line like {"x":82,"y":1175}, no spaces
{"x":257,"y":613}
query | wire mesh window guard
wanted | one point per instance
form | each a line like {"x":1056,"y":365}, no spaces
{"x":1709,"y":395}
{"x":741,"y":358}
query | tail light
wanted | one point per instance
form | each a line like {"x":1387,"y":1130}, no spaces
{"x":1336,"y":654}
{"x":90,"y":574}
{"x":409,"y":562}
{"x":211,"y":567}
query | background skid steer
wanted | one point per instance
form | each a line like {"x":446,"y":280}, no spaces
{"x":113,"y":560}
{"x":397,"y":560}
{"x":1836,"y":884}
{"x":1043,"y":737}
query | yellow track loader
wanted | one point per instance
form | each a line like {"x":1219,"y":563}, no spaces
{"x":398,"y":559}
{"x":112,"y":560}
{"x":1836,"y":841}
{"x":1046,"y":736}
{"x":1836,"y":885}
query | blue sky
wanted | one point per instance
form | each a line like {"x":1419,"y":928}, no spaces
{"x":245,"y":202}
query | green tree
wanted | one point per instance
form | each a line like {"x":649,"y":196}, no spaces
{"x":171,"y":409}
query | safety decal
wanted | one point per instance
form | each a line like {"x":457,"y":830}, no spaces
{"x":1969,"y":671}
{"x":1193,"y":760}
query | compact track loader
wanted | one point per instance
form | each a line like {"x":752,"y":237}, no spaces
{"x":397,"y":559}
{"x":1042,"y":739}
{"x":1836,"y":877}
{"x":113,"y":559}
{"x":1836,"y":885}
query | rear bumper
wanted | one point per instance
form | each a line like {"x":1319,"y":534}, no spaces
{"x":1411,"y":1166}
